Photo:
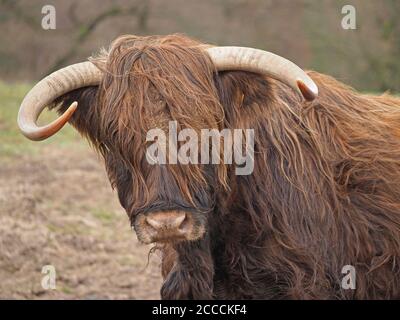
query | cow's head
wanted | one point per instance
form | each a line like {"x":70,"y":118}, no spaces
{"x":145,"y":83}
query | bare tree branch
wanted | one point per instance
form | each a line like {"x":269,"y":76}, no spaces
{"x":19,"y":14}
{"x":86,"y":30}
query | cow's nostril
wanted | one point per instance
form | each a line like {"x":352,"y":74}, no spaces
{"x":156,"y":224}
{"x":179,"y":221}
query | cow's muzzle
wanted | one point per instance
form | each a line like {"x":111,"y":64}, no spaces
{"x":168,"y":226}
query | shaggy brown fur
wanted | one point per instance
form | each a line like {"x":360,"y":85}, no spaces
{"x":325,"y":191}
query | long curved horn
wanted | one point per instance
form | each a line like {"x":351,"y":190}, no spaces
{"x":47,"y":90}
{"x":263,"y":62}
{"x":87,"y":74}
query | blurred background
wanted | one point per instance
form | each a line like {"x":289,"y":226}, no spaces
{"x":308,"y":32}
{"x":56,"y":206}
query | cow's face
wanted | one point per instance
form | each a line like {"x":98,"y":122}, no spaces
{"x":167,"y":205}
{"x":164,"y":201}
{"x":168,"y":200}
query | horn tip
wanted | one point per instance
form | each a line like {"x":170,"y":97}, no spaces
{"x":33,"y":133}
{"x":309,"y":92}
{"x":70,"y":111}
{"x":73,"y":105}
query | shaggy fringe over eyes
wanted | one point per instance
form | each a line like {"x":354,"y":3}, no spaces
{"x":149,"y":81}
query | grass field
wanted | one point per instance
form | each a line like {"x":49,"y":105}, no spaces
{"x":57,"y":208}
{"x":12,"y":142}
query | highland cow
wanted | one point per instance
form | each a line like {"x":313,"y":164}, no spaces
{"x":324,"y":193}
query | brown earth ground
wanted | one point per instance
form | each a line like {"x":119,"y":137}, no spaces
{"x":57,"y":208}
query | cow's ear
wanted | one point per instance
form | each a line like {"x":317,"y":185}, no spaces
{"x":240,"y":89}
{"x":85,"y":116}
